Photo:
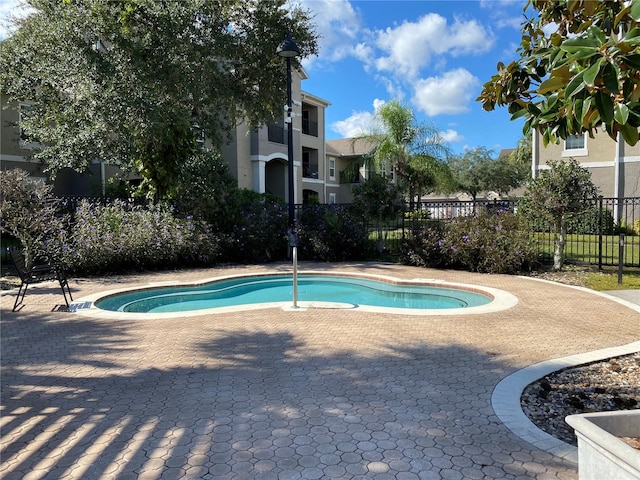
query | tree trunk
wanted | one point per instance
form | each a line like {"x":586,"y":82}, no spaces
{"x":560,"y":241}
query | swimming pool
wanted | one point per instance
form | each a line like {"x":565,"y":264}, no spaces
{"x":319,"y":290}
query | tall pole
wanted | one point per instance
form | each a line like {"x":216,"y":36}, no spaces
{"x":292,"y":209}
{"x":293,"y":239}
{"x":289,"y":49}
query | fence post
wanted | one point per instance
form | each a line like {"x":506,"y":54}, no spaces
{"x":620,"y":257}
{"x":600,"y":233}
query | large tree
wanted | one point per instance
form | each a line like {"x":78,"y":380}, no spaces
{"x":579,"y":69}
{"x":477,"y":171}
{"x":414,"y":151}
{"x":137,"y":82}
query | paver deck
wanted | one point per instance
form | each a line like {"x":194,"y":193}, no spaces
{"x":275,"y":394}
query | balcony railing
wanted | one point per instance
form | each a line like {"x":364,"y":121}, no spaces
{"x":309,"y":127}
{"x":276,"y":134}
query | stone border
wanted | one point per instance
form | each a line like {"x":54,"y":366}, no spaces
{"x":505,"y":399}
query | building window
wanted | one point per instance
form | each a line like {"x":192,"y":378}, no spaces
{"x":574,"y":141}
{"x":332,"y":198}
{"x":276,"y":134}
{"x":332,"y":168}
{"x":309,"y":120}
{"x":575,"y":145}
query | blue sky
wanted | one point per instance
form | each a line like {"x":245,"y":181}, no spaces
{"x":433,"y":56}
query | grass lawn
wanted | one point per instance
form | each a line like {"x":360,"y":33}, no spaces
{"x":608,"y":279}
{"x":585,"y":248}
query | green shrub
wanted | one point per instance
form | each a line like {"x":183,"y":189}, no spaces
{"x":588,"y":223}
{"x":206,"y":189}
{"x":29,"y":213}
{"x":422,"y":246}
{"x":585,"y":223}
{"x":332,"y":233}
{"x":122,"y":237}
{"x":486,"y":242}
{"x":259,"y":229}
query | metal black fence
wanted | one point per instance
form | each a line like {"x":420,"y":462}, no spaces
{"x":607,"y":230}
{"x":605,"y":234}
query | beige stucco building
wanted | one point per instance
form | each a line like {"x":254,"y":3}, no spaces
{"x":15,"y":153}
{"x":256,"y":157}
{"x":614,"y":166}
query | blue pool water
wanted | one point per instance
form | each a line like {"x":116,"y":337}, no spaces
{"x":279,"y":288}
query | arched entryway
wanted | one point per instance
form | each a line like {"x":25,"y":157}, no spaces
{"x":276,"y":178}
{"x":310,"y":196}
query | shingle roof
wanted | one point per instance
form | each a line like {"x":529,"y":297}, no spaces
{"x":349,"y":146}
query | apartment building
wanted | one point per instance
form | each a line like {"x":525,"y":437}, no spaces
{"x":345,"y":158}
{"x":257,"y":157}
{"x":15,"y":153}
{"x":614,"y":166}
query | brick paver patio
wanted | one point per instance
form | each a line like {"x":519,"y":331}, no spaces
{"x":275,"y":394}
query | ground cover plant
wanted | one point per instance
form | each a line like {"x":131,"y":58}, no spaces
{"x":109,"y":235}
{"x":607,"y":279}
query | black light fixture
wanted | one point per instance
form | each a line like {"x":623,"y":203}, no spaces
{"x":288,"y":49}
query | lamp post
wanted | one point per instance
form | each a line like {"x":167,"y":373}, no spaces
{"x":288,"y":49}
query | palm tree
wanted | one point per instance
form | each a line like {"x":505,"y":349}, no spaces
{"x":412,"y":150}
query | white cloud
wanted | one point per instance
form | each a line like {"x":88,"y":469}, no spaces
{"x":353,"y":126}
{"x":358,"y":123}
{"x":450,"y":136}
{"x":377,"y":103}
{"x":338,"y":25}
{"x":509,"y":22}
{"x":9,"y":9}
{"x":411,"y":46}
{"x":365,"y":53}
{"x":446,"y":94}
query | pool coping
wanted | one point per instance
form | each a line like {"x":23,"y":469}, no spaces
{"x":502,"y":300}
